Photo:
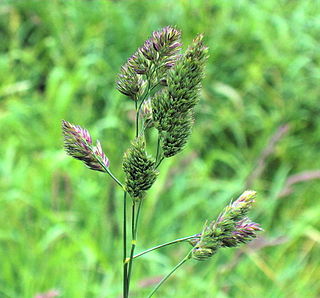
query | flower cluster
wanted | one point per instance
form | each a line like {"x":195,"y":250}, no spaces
{"x":163,"y":46}
{"x":173,"y":106}
{"x":231,"y":228}
{"x":129,"y":82}
{"x":139,"y":169}
{"x":78,"y":144}
{"x":157,"y":54}
{"x":165,"y":84}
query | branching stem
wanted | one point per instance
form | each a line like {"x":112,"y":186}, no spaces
{"x":114,"y":178}
{"x":165,"y":244}
{"x":159,"y":162}
{"x":186,"y":258}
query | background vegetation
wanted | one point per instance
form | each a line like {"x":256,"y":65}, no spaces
{"x":257,"y":126}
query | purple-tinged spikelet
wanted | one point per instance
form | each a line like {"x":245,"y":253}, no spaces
{"x":230,"y":229}
{"x":160,"y":52}
{"x":146,"y":113}
{"x":163,"y":45}
{"x":239,"y":208}
{"x":245,"y":231}
{"x":129,"y":83}
{"x":78,"y":144}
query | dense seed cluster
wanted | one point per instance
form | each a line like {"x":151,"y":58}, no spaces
{"x":173,"y":106}
{"x":230,"y":229}
{"x":139,"y":169}
{"x":78,"y":144}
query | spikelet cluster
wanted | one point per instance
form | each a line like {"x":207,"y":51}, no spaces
{"x":163,"y":46}
{"x":78,"y":144}
{"x":231,"y":228}
{"x":166,"y":83}
{"x":160,"y":62}
{"x":157,"y":54}
{"x":173,"y":106}
{"x":129,"y":82}
{"x":139,"y":170}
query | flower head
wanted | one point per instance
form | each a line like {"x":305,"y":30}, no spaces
{"x":230,"y":229}
{"x":139,"y":169}
{"x":78,"y":144}
{"x":163,"y":45}
{"x":129,"y":83}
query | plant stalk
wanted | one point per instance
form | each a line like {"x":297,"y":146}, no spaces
{"x":134,"y":227}
{"x":164,"y":244}
{"x":114,"y":178}
{"x":158,"y":149}
{"x":125,"y":264}
{"x":186,"y":258}
{"x":159,"y":162}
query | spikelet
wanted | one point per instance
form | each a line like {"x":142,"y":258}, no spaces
{"x":139,"y":170}
{"x":78,"y":144}
{"x":231,"y":229}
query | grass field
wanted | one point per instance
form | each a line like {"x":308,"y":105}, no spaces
{"x":257,"y":126}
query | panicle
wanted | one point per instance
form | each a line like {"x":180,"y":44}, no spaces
{"x":173,"y":106}
{"x":160,"y":104}
{"x":164,"y":45}
{"x":78,"y":144}
{"x":230,"y":229}
{"x":176,"y":137}
{"x":160,"y":51}
{"x":184,"y":80}
{"x":139,"y":170}
{"x":239,"y":208}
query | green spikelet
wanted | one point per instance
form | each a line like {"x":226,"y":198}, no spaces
{"x":173,"y":106}
{"x":160,"y":104}
{"x":139,"y":169}
{"x":184,"y":80}
{"x":175,"y":138}
{"x":231,"y":229}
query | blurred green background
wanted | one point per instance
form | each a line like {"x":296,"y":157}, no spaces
{"x":257,"y":126}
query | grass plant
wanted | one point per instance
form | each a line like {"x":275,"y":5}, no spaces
{"x":257,"y":127}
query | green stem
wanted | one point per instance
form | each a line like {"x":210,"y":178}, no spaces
{"x":104,"y":167}
{"x":137,"y":119}
{"x":186,"y":258}
{"x":158,"y":149}
{"x":144,"y":97}
{"x":165,"y":244}
{"x":134,"y":226}
{"x":114,"y":178}
{"x":125,"y":264}
{"x":137,"y":217}
{"x":159,"y":162}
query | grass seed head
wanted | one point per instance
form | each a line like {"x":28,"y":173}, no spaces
{"x":231,"y":228}
{"x":78,"y":144}
{"x":139,"y":169}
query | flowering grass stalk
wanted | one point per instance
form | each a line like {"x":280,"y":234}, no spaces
{"x":164,"y":84}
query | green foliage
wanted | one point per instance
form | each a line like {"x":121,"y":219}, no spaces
{"x":257,"y":125}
